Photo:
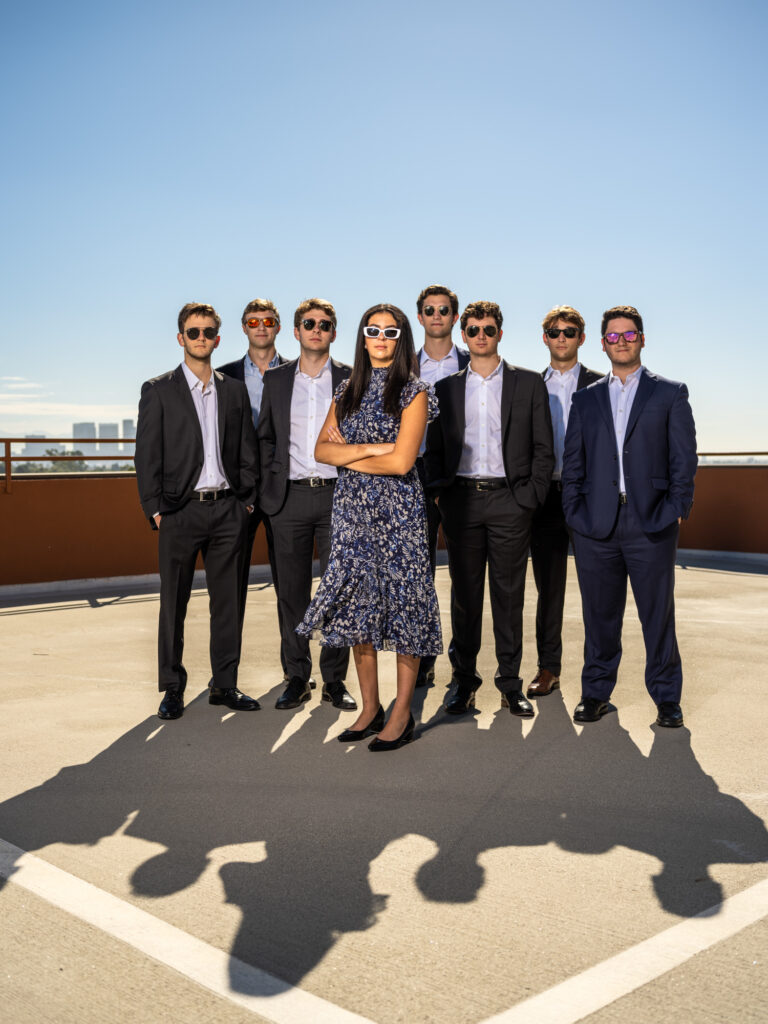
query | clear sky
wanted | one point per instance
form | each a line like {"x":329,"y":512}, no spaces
{"x":536,"y":153}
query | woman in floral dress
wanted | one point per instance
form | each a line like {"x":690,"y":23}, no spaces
{"x":377,"y":593}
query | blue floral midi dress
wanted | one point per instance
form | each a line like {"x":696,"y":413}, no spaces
{"x":378,"y":587}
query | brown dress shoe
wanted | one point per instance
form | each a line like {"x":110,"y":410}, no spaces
{"x":544,"y":683}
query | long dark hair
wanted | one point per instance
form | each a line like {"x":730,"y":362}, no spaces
{"x":398,"y":373}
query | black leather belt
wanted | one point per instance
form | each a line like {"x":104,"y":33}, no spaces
{"x":214,"y":495}
{"x":622,"y":498}
{"x":315,"y":481}
{"x":477,"y":483}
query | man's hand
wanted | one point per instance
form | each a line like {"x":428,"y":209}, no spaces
{"x":157,"y":517}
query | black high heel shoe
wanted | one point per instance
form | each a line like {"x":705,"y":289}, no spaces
{"x":405,"y":737}
{"x":353,"y":735}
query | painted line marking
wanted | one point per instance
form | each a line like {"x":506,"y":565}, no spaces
{"x":598,"y":986}
{"x":211,"y":968}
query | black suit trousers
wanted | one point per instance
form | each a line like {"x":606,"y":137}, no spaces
{"x":549,"y":558}
{"x":304,"y":519}
{"x":486,"y":528}
{"x":254,"y":520}
{"x":217,"y":530}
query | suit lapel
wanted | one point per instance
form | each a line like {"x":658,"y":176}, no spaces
{"x":604,"y":402}
{"x":186,"y":402}
{"x":222,"y":397}
{"x":645,"y":387}
{"x":508,"y":385}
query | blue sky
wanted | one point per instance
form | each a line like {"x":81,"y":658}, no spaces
{"x":589,"y":153}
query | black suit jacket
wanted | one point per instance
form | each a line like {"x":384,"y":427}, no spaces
{"x":169,"y":442}
{"x":526,"y":431}
{"x":274,"y":430}
{"x":237,"y":368}
{"x":462,"y":353}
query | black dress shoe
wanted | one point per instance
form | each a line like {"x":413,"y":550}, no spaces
{"x":172,"y":704}
{"x":405,"y":737}
{"x":312,"y":681}
{"x":353,"y":735}
{"x":295,"y":693}
{"x":232,"y":698}
{"x":517,"y":704}
{"x":462,"y":700}
{"x":338,"y":695}
{"x":670,"y":715}
{"x":589,"y":709}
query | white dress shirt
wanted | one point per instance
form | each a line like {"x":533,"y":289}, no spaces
{"x":561,"y":387}
{"x":481,"y":455}
{"x":622,"y":396}
{"x":205,"y":400}
{"x":433,"y":370}
{"x":310,"y":403}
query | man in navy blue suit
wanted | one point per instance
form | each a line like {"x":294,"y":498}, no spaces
{"x":628,"y":469}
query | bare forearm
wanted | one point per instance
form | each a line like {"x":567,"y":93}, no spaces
{"x":335,"y":454}
{"x":395,"y":464}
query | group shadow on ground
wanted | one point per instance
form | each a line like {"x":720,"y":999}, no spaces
{"x":325,"y":812}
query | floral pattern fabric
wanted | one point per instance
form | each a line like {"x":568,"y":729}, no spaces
{"x":378,"y":587}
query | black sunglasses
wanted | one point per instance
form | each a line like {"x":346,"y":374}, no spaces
{"x":553,"y":333}
{"x":324,"y":325}
{"x":442,"y":310}
{"x":193,"y":333}
{"x":473,"y":330}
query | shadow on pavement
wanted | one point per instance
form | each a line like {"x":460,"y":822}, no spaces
{"x":325,"y":812}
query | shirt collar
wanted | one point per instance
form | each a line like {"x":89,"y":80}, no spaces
{"x":251,"y":367}
{"x":195,"y":382}
{"x":426,"y":356}
{"x":573,"y":372}
{"x":326,"y":369}
{"x":494,"y":373}
{"x":632,"y":378}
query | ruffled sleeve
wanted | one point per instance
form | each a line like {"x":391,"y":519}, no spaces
{"x":413,"y":388}
{"x":340,"y":389}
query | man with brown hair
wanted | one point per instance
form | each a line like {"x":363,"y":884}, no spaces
{"x":261,"y":325}
{"x":628,"y":469}
{"x":563,"y":335}
{"x":437,"y":309}
{"x":489,"y":459}
{"x":297,"y":494}
{"x":197,"y":472}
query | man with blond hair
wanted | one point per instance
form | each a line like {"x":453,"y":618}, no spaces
{"x":563,"y":335}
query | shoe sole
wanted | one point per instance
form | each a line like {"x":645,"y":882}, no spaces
{"x":669,"y":725}
{"x":169,"y":718}
{"x":244,"y":707}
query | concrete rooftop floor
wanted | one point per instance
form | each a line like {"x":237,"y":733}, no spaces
{"x":489,"y":862}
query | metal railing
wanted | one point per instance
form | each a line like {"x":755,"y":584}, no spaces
{"x":8,"y":459}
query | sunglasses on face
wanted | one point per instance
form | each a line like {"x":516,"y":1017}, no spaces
{"x":553,"y":333}
{"x":389,"y":332}
{"x":193,"y":333}
{"x":442,"y":310}
{"x":323,"y":325}
{"x":473,"y":330}
{"x":268,"y":321}
{"x":614,"y":338}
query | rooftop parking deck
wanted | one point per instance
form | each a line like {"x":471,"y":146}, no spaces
{"x":492,"y":862}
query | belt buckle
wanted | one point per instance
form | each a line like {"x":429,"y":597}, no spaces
{"x":315,"y":481}
{"x":622,"y":498}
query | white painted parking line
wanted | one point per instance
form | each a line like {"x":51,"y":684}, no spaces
{"x":205,"y":965}
{"x":590,"y":991}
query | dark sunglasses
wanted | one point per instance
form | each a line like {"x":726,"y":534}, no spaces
{"x":442,"y":310}
{"x":324,"y":325}
{"x":388,"y":332}
{"x":614,"y":338}
{"x":553,"y":333}
{"x":473,"y":330}
{"x":268,"y":321}
{"x":193,"y":333}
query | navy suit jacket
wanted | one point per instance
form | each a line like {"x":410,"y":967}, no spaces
{"x":169,"y":442}
{"x":526,"y":434}
{"x":275,"y":428}
{"x":659,"y":457}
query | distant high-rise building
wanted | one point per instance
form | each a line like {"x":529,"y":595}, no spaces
{"x":108,"y":430}
{"x":85,"y":430}
{"x":32,"y":451}
{"x":129,"y":430}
